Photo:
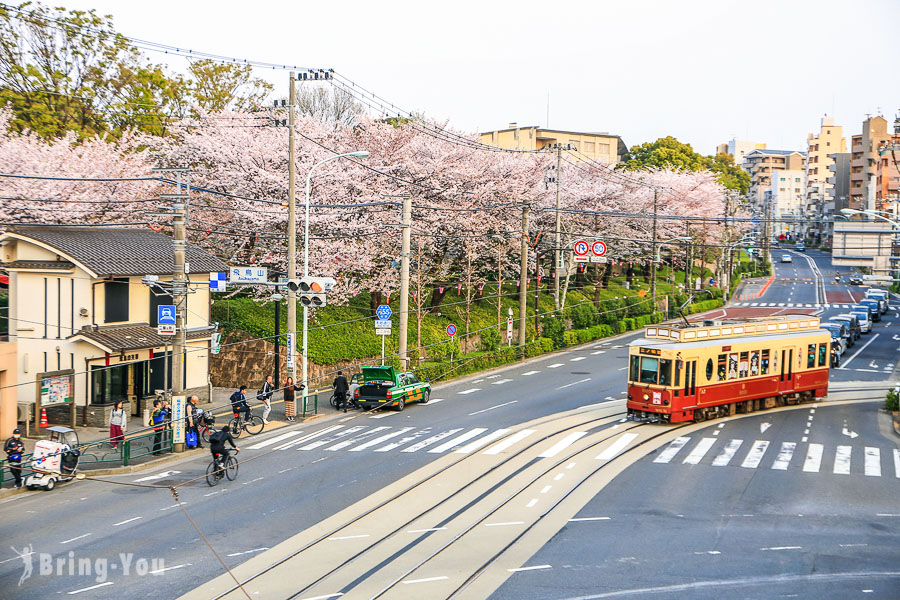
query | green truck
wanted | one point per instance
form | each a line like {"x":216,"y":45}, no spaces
{"x":383,"y":386}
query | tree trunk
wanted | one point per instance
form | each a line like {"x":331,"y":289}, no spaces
{"x":629,"y":275}
{"x":646,"y":272}
{"x":437,"y":296}
{"x":607,"y":273}
{"x":374,"y":300}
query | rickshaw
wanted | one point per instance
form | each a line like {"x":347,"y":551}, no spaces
{"x":54,"y":460}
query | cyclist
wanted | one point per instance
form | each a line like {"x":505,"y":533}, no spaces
{"x":217,"y":444}
{"x":837,"y":278}
{"x":341,"y":387}
{"x":239,"y":403}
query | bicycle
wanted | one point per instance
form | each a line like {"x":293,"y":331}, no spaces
{"x":351,"y":403}
{"x":205,"y":428}
{"x":226,"y":467}
{"x":237,"y":425}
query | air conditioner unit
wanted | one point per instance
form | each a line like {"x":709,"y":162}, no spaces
{"x":25,"y":412}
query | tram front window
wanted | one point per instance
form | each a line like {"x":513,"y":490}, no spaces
{"x":649,"y":369}
{"x":635,"y":368}
{"x":665,"y":371}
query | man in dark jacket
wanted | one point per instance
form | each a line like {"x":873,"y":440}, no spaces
{"x":265,"y":394}
{"x":158,"y":422}
{"x":341,"y":387}
{"x":14,"y":450}
{"x":239,"y":403}
{"x":194,"y":414}
{"x":217,"y":443}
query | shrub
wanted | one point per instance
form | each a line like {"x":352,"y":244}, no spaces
{"x":569,"y":338}
{"x":553,"y":328}
{"x":582,"y":316}
{"x":892,"y":400}
{"x":445,"y":350}
{"x":490,"y":339}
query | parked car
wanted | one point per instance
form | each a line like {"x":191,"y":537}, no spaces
{"x":880,"y":295}
{"x":851,"y":321}
{"x":383,"y":386}
{"x":786,"y":258}
{"x":855,"y":279}
{"x":875,"y":306}
{"x":842,"y":330}
{"x":864,"y":316}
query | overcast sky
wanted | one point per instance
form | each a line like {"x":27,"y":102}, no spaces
{"x":703,"y":71}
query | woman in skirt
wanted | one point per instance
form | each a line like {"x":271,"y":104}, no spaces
{"x":290,"y":410}
{"x":117,"y":424}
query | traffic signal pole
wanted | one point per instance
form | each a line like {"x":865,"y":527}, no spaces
{"x":406,"y":227}
{"x":292,"y":244}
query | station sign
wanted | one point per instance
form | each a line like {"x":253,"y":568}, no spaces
{"x":248,"y":275}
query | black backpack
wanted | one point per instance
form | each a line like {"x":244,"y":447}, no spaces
{"x":218,"y":438}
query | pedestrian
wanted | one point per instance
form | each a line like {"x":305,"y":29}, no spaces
{"x":341,"y":387}
{"x":15,"y":448}
{"x":194,"y":416}
{"x":289,"y":391}
{"x":117,"y":420}
{"x":239,"y":403}
{"x":167,"y":421}
{"x":157,"y":421}
{"x":265,"y":394}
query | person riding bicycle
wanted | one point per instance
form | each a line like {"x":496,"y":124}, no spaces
{"x":837,"y":278}
{"x":217,"y":444}
{"x":341,"y":387}
{"x":239,"y":403}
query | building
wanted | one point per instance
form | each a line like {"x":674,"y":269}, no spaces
{"x":738,"y":149}
{"x":829,"y":140}
{"x":760,"y":164}
{"x":838,"y":191}
{"x":787,"y":201}
{"x":887,"y":180}
{"x":603,"y":147}
{"x":860,"y":243}
{"x":77,"y":304}
{"x":864,"y":161}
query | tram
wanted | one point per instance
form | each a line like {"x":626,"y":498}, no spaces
{"x":694,"y":372}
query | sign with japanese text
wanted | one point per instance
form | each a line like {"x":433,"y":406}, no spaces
{"x":248,"y":275}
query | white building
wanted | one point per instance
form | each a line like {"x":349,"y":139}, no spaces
{"x":787,"y":194}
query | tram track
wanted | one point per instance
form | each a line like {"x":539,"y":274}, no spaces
{"x":612,"y":420}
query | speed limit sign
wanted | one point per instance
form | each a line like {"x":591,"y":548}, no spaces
{"x":598,"y":251}
{"x":581,"y":249}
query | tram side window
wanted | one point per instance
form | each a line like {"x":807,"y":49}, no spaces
{"x":732,"y":365}
{"x":745,"y":357}
{"x":754,"y":363}
{"x":823,"y":354}
{"x":810,"y":356}
{"x":721,"y":368}
{"x":665,"y":371}
{"x":764,"y":363}
{"x":709,"y":368}
{"x":635,"y":368}
{"x":649,"y":369}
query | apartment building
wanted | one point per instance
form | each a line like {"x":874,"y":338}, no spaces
{"x":602,"y":147}
{"x":838,"y":192}
{"x":787,"y":200}
{"x":864,"y":162}
{"x":887,"y":180}
{"x":829,"y":140}
{"x":738,"y":149}
{"x":760,"y":164}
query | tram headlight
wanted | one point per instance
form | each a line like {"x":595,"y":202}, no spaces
{"x":646,"y":397}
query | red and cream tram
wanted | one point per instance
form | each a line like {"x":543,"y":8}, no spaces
{"x":681,"y":373}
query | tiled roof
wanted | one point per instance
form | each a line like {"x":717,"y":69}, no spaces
{"x":60,"y":265}
{"x":778,"y":152}
{"x":119,"y":338}
{"x":118,"y":251}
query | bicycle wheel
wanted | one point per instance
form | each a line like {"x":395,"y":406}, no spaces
{"x":333,"y":401}
{"x":231,"y":468}
{"x":211,"y":479}
{"x":255,"y":425}
{"x":204,"y":434}
{"x":236,"y":428}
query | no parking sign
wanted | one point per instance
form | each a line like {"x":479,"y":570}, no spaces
{"x":451,"y":329}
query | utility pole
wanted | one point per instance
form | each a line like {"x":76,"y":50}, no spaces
{"x":688,"y":265}
{"x":556,"y":255}
{"x":523,"y":278}
{"x":292,"y":242}
{"x":653,"y":251}
{"x":406,"y":230}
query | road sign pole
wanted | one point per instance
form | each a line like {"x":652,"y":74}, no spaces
{"x":382,"y":350}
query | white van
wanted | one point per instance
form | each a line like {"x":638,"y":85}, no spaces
{"x":878,"y":294}
{"x":865,"y":323}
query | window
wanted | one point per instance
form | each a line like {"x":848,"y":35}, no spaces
{"x":796,"y":179}
{"x":782,"y":179}
{"x":732,"y":365}
{"x":109,"y":384}
{"x":603,"y":148}
{"x":811,"y":356}
{"x":635,"y":367}
{"x":709,"y":368}
{"x":743,"y":367}
{"x":411,"y":378}
{"x":754,"y":363}
{"x":589,"y":147}
{"x":649,"y":369}
{"x":665,"y":372}
{"x":720,"y":372}
{"x":823,"y":354}
{"x":155,"y":302}
{"x":764,"y":363}
{"x":116,"y":300}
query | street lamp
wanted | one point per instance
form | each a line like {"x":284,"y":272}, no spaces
{"x":878,"y":214}
{"x":292,"y":326}
{"x":659,"y":245}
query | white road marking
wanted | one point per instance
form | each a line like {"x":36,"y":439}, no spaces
{"x":469,"y":391}
{"x":425,"y":530}
{"x":873,"y":462}
{"x":753,"y":458}
{"x":804,"y":439}
{"x":727,"y":453}
{"x":311,"y":436}
{"x":897,"y":462}
{"x":403,"y":441}
{"x":174,"y":505}
{"x":326,"y":596}
{"x":492,"y":377}
{"x":380,"y":439}
{"x":598,"y":352}
{"x":532,"y":503}
{"x":247,"y":552}
{"x":842,"y":460}
{"x":472,"y":446}
{"x":529,"y":568}
{"x":783,"y":548}
{"x":384,"y":414}
{"x":345,"y":419}
{"x":562,"y":444}
{"x":784,"y":456}
{"x":15,"y":558}
{"x":350,"y":442}
{"x":516,"y":437}
{"x":546,"y":489}
{"x":458,"y":440}
{"x":484,"y":410}
{"x":433,"y":439}
{"x":708,"y":552}
{"x":622,"y":369}
{"x":500,"y":381}
{"x":699,"y":451}
{"x":334,"y":438}
{"x":427,"y":579}
{"x":570,"y":466}
{"x":671,"y":450}
{"x":162,"y":475}
{"x":222,"y":491}
{"x":75,"y":538}
{"x":349,"y":537}
{"x":617,"y":446}
{"x":126,"y":521}
{"x":813,"y":458}
{"x":577,"y":358}
{"x":529,"y":373}
{"x":764,"y":426}
{"x":609,"y":398}
{"x":504,"y":524}
{"x":555,"y":366}
{"x":588,"y":519}
{"x":275,"y":440}
{"x":478,"y":380}
{"x":562,"y":387}
{"x":93,"y":587}
{"x":559,"y":476}
{"x":435,"y":401}
{"x":851,"y":545}
{"x":866,"y":345}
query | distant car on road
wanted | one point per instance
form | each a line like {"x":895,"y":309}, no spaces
{"x":874,"y":306}
{"x":877,"y":294}
{"x":864,"y":316}
{"x":785,"y":258}
{"x":855,"y":279}
{"x":850,"y":321}
{"x":800,"y":248}
{"x":842,"y":330}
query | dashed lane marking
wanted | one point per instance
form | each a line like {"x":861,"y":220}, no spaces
{"x":432,"y":440}
{"x":469,"y":391}
{"x":472,"y":446}
{"x":555,"y":366}
{"x":458,"y":440}
{"x":534,"y":568}
{"x":577,"y":519}
{"x":529,"y":373}
{"x":513,"y":439}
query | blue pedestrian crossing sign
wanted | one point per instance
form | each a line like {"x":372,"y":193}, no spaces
{"x":383,"y":312}
{"x":165,"y":314}
{"x":217,"y":282}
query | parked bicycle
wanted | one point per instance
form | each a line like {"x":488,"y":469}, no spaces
{"x":238,"y":425}
{"x":224,"y":467}
{"x":351,"y":403}
{"x":205,"y":427}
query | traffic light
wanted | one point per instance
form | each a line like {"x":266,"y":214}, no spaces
{"x":312,"y":289}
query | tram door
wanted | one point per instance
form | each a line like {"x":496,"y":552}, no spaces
{"x":787,"y":365}
{"x":689,"y":389}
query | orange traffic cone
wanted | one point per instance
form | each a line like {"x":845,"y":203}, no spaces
{"x":44,"y":422}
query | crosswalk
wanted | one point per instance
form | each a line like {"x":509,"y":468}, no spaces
{"x":795,"y":305}
{"x":809,"y":458}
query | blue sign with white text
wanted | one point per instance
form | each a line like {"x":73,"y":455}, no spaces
{"x":383,"y":312}
{"x":165,"y":314}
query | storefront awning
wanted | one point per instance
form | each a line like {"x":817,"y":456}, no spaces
{"x":120,"y":338}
